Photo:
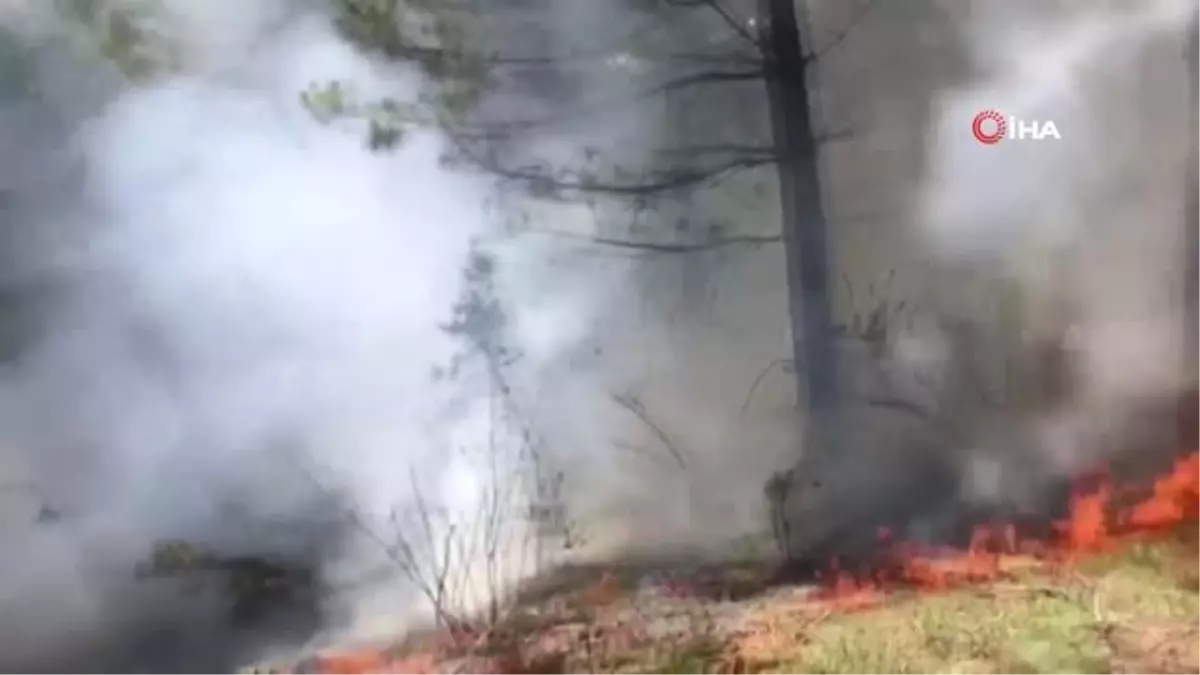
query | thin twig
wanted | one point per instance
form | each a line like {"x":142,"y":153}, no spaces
{"x":631,"y":403}
{"x":606,"y":105}
{"x":741,"y":27}
{"x":640,"y":451}
{"x":762,"y":375}
{"x":841,"y":35}
{"x":902,"y":405}
{"x":400,"y":553}
{"x":665,"y":247}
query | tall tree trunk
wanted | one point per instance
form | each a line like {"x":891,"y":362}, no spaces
{"x":804,"y":223}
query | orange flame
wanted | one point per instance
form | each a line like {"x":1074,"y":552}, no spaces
{"x":1095,"y":523}
{"x":372,"y":661}
{"x":1174,"y":500}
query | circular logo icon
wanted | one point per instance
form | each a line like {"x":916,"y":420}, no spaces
{"x":989,"y":127}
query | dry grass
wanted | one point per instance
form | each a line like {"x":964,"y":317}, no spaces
{"x":1132,"y":611}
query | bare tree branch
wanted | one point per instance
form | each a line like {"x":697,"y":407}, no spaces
{"x":642,"y":451}
{"x":439,"y":57}
{"x":739,"y":26}
{"x":841,"y":35}
{"x":542,"y":181}
{"x":667,"y":247}
{"x":374,"y":27}
{"x":508,"y":129}
{"x":696,"y":151}
{"x":902,"y":405}
{"x":633,"y":405}
{"x":715,"y":243}
{"x":758,"y":380}
{"x":558,"y":60}
{"x":401,"y":553}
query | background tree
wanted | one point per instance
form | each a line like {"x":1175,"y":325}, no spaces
{"x":538,"y":120}
{"x":766,"y":48}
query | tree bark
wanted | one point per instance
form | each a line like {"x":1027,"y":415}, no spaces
{"x":804,"y":223}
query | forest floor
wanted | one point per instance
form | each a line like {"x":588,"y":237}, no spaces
{"x":1132,"y":608}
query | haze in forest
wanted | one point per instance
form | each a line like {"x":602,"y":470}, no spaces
{"x":228,"y":322}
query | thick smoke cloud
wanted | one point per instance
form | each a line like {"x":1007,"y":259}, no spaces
{"x":1084,"y":235}
{"x":242,"y":312}
{"x":1089,"y":228}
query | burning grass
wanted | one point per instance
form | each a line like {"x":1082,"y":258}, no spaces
{"x":1131,"y":610}
{"x":1100,"y":517}
{"x":1110,"y":588}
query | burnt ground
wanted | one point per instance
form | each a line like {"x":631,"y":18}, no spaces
{"x":1134,"y":609}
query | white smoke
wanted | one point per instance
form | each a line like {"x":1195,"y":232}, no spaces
{"x":1038,"y":68}
{"x":1085,"y":232}
{"x":249,"y":302}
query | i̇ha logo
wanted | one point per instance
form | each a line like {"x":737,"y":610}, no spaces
{"x":990,"y":127}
